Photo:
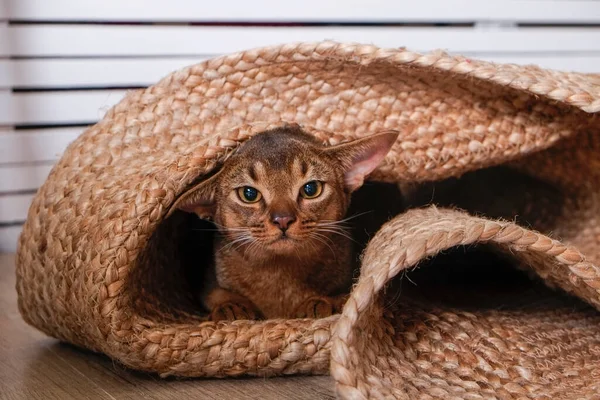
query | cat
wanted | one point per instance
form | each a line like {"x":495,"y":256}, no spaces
{"x":278,"y":203}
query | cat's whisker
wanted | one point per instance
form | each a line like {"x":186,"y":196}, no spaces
{"x":356,"y":216}
{"x":313,"y":245}
{"x":236,"y":248}
{"x":249,"y":243}
{"x":342,"y":222}
{"x":218,"y":225}
{"x":319,"y":237}
{"x":239,"y":240}
{"x":335,"y":224}
{"x":335,"y":232}
{"x":324,"y":239}
{"x":235,"y":231}
{"x":340,"y":232}
{"x":249,"y":240}
{"x":331,"y":229}
{"x":297,"y":253}
{"x":226,"y":247}
{"x":334,"y":227}
{"x":230,"y":228}
{"x":255,"y":243}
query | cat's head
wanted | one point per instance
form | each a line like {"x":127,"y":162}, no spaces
{"x":282,"y":192}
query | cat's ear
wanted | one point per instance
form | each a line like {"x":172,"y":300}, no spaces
{"x":200,"y":199}
{"x":360,"y":157}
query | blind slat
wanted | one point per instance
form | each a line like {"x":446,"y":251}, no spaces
{"x":35,"y":145}
{"x":68,"y":107}
{"x":22,"y":178}
{"x":86,"y":73}
{"x":4,"y":40}
{"x":307,"y":10}
{"x":3,"y":10}
{"x":5,"y":106}
{"x":9,"y":236}
{"x":44,"y":73}
{"x":74,"y":40}
{"x":5,"y":74}
{"x":14,"y":208}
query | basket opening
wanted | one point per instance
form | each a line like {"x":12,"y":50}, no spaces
{"x":170,"y":269}
{"x":496,"y":193}
{"x":486,"y":276}
{"x":165,"y":280}
{"x":471,"y":278}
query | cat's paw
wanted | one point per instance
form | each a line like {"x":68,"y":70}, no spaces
{"x":232,"y":310}
{"x":315,"y":307}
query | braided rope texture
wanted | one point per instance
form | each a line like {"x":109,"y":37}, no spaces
{"x":100,"y":265}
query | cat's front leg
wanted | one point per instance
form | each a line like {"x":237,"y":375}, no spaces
{"x":320,"y":306}
{"x":229,"y":306}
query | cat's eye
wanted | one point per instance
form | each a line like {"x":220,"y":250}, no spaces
{"x":311,"y":189}
{"x":248,"y":194}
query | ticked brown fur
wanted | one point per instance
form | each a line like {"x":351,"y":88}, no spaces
{"x":283,"y":256}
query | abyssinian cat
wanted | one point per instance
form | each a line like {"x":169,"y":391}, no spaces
{"x":279,"y":204}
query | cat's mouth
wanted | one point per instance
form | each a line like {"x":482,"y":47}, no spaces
{"x":282,"y":242}
{"x":283,"y":238}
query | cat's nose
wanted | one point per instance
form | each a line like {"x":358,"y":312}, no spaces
{"x":283,"y":221}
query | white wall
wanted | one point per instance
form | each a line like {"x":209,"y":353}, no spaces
{"x":63,"y":62}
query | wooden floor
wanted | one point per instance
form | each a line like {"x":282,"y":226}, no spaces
{"x":33,"y":366}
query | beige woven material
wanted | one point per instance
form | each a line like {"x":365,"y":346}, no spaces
{"x":99,"y":264}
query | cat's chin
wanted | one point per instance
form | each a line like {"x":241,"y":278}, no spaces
{"x":280,"y":246}
{"x":283,"y":245}
{"x":288,"y":246}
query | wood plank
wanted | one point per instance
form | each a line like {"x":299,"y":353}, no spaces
{"x":307,"y":10}
{"x":57,"y":73}
{"x":35,"y":145}
{"x":14,"y":208}
{"x":8,"y":243}
{"x":23,"y":177}
{"x":102,"y":40}
{"x":58,"y":107}
{"x":35,"y":367}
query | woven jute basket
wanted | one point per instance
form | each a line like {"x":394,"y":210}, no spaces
{"x":500,"y":166}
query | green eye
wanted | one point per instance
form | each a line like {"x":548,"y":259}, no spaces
{"x":248,"y":194}
{"x":311,"y":189}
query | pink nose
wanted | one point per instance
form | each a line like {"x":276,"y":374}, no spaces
{"x":283,"y":221}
